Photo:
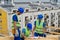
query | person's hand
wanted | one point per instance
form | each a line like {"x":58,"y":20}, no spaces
{"x":23,"y":36}
{"x":32,"y":33}
{"x":17,"y":33}
{"x":44,"y":30}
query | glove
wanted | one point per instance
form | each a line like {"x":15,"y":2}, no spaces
{"x":17,"y":33}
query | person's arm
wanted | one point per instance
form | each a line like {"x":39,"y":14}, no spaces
{"x":23,"y":33}
{"x":14,"y":21}
{"x":34,"y":28}
{"x":15,"y":27}
{"x":44,"y":27}
{"x":33,"y":31}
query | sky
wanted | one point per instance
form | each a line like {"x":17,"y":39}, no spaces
{"x":33,"y":0}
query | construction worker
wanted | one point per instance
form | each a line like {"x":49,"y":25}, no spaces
{"x":26,"y":20}
{"x":16,"y":25}
{"x":26,"y":31}
{"x":39,"y":27}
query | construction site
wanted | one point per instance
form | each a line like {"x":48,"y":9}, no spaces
{"x":51,"y":16}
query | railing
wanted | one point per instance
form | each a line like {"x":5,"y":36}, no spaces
{"x":7,"y":2}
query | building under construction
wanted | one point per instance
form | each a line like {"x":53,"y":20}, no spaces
{"x":50,"y":11}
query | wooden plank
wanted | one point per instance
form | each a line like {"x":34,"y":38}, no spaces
{"x":49,"y":37}
{"x":53,"y":27}
{"x":41,"y":39}
{"x":6,"y":38}
{"x":54,"y":33}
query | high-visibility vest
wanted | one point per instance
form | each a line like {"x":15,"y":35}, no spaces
{"x":27,"y":33}
{"x":17,"y":23}
{"x":39,"y":27}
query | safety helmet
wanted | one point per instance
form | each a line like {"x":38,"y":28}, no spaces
{"x":21,"y":10}
{"x":29,"y":26}
{"x":40,"y":16}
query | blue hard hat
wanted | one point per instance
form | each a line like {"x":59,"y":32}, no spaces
{"x":21,"y":10}
{"x":40,"y":16}
{"x":29,"y":26}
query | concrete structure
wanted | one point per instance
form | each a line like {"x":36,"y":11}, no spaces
{"x":7,"y":4}
{"x":11,"y":5}
{"x":32,"y":9}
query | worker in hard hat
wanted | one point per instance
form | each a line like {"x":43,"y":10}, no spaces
{"x":39,"y":27}
{"x":16,"y":25}
{"x":26,"y":31}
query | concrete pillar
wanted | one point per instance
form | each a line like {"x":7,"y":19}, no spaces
{"x":12,"y":1}
{"x":2,"y":1}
